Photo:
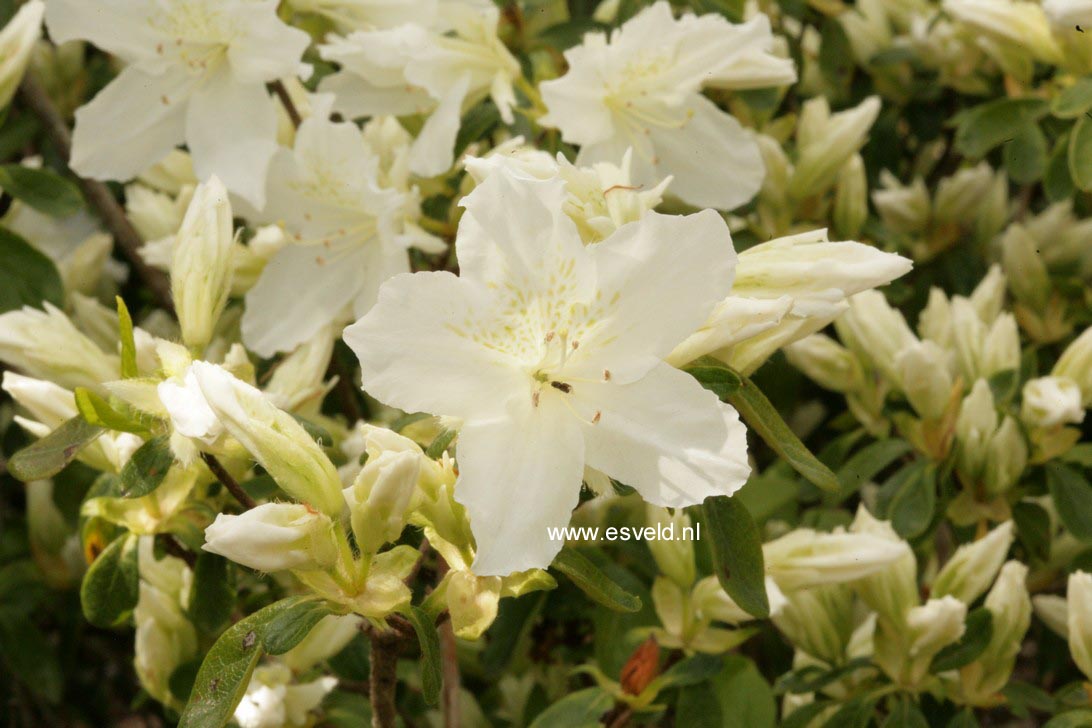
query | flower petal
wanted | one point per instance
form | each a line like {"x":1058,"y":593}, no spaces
{"x":714,"y":161}
{"x":519,"y":477}
{"x":665,"y":274}
{"x":132,"y":124}
{"x":665,"y":436}
{"x":302,"y":289}
{"x":419,"y":349}
{"x":231,"y":130}
{"x":119,"y":27}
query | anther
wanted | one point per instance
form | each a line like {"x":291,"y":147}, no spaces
{"x":566,"y":388}
{"x":595,"y":419}
{"x":606,"y":375}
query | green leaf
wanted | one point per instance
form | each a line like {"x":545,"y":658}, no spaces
{"x":1004,"y":385}
{"x":225,"y":672}
{"x":1072,"y":494}
{"x":128,"y":343}
{"x":698,"y":707}
{"x":737,"y":553}
{"x":763,"y":418}
{"x":976,"y":638}
{"x":286,"y":629}
{"x":213,"y":595}
{"x":593,"y":582}
{"x":147,"y":468}
{"x":913,"y":500}
{"x":430,"y":653}
{"x":112,"y":583}
{"x":578,"y":710}
{"x":52,"y":453}
{"x":995,"y":122}
{"x":906,"y":714}
{"x":1079,"y":455}
{"x":1025,"y":155}
{"x":1081,"y":718}
{"x":31,"y":658}
{"x":1057,"y":182}
{"x":714,"y":375}
{"x":1080,"y":153}
{"x":440,"y":443}
{"x":97,"y":411}
{"x":42,"y":189}
{"x":28,"y":277}
{"x":746,"y":700}
{"x":1073,"y":101}
{"x":868,"y":462}
{"x":1033,"y":528}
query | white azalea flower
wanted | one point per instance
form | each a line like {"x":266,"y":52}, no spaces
{"x":552,"y":355}
{"x":350,"y":15}
{"x":196,"y":73}
{"x":421,"y":69}
{"x":17,"y":41}
{"x":347,"y":236}
{"x":641,"y":89}
{"x":1051,"y":401}
{"x":602,"y":197}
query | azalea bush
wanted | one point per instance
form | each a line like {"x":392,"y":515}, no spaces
{"x":543,"y":363}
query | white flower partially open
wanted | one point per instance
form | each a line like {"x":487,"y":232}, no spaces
{"x":438,"y":66}
{"x":196,"y":73}
{"x":552,"y":354}
{"x":641,"y":89}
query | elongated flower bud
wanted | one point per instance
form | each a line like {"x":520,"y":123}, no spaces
{"x":1079,"y":597}
{"x":972,"y":567}
{"x":274,"y":537}
{"x":380,"y":496}
{"x":17,"y":41}
{"x":201,"y":265}
{"x":274,"y":438}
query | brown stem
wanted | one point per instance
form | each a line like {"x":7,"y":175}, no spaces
{"x":286,"y":101}
{"x":176,"y":549}
{"x":450,"y":664}
{"x":383,"y":679}
{"x":227,"y":481}
{"x":97,"y":194}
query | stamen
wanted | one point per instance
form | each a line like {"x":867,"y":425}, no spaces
{"x":595,"y":418}
{"x":566,"y":388}
{"x":606,"y":375}
{"x":534,"y":398}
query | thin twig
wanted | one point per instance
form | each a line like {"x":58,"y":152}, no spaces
{"x":228,"y":482}
{"x":383,"y":679}
{"x":97,"y":194}
{"x":176,"y":549}
{"x":286,"y":101}
{"x":450,"y":663}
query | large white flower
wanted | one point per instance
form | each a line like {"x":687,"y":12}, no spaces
{"x":551,"y":352}
{"x":642,"y":89}
{"x":438,"y":67}
{"x":196,"y":73}
{"x":348,"y":234}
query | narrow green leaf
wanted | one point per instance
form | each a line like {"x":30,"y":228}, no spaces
{"x":287,"y":628}
{"x":147,"y":468}
{"x":914,"y":499}
{"x":1080,"y":153}
{"x":225,"y":672}
{"x":111,"y":585}
{"x":425,"y":628}
{"x":1025,"y":155}
{"x":1033,"y":528}
{"x":129,"y":368}
{"x":1080,"y":718}
{"x":1072,"y":494}
{"x":976,"y":638}
{"x":763,"y":418}
{"x":737,"y":553}
{"x":52,"y":453}
{"x":868,"y":462}
{"x":714,"y":375}
{"x":581,"y":709}
{"x":440,"y":443}
{"x":42,"y":189}
{"x":593,"y":582}
{"x":991,"y":124}
{"x":213,"y":595}
{"x":906,"y":714}
{"x":1057,"y":181}
{"x":28,"y":277}
{"x":1073,"y":101}
{"x":97,"y":411}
